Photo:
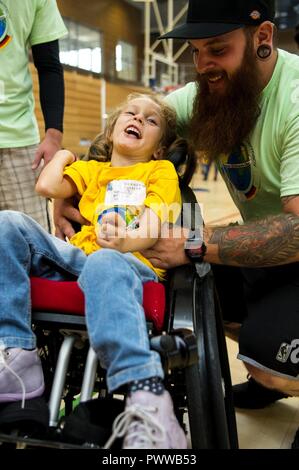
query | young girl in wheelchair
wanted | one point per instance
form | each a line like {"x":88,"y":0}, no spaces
{"x":127,"y":193}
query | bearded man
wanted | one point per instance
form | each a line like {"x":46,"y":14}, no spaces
{"x":242,"y":111}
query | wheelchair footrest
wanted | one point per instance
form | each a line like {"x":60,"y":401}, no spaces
{"x":22,"y":442}
{"x":178,"y":349}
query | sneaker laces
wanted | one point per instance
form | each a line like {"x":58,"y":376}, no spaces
{"x":137,"y":423}
{"x":4,"y":354}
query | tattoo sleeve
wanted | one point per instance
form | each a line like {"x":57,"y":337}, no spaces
{"x":268,"y":242}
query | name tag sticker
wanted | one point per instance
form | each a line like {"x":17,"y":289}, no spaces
{"x":125,"y":192}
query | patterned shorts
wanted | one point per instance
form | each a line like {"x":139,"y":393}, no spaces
{"x":17,"y":183}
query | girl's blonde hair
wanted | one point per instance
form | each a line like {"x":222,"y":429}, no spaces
{"x":101,"y":148}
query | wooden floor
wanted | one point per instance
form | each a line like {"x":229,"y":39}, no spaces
{"x":275,"y":426}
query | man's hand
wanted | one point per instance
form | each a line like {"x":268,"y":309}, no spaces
{"x":48,"y":147}
{"x":64,"y":214}
{"x":168,"y":252}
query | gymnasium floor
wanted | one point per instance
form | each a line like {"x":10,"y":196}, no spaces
{"x":275,"y":426}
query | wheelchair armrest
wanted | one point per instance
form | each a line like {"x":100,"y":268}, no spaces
{"x":182,"y":277}
{"x":183,"y":282}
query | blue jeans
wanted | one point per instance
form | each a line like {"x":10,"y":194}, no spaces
{"x":112,"y":285}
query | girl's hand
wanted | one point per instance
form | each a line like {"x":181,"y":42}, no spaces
{"x":113,"y":218}
{"x":66,"y":156}
{"x":111,"y":233}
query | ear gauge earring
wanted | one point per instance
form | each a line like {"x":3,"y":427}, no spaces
{"x":264,"y":52}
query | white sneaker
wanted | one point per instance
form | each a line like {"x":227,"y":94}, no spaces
{"x":21,"y":375}
{"x":148,"y":422}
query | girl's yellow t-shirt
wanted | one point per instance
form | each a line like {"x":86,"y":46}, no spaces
{"x":101,"y":186}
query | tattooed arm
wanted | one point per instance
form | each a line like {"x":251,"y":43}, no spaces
{"x":261,"y":243}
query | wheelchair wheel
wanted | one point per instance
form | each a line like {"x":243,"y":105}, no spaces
{"x":208,"y":383}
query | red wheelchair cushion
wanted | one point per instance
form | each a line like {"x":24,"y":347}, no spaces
{"x":66,"y":297}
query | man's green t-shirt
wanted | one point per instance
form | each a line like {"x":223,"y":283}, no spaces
{"x":29,"y":22}
{"x":265,"y":167}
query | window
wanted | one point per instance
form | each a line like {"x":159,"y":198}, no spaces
{"x":126,"y":61}
{"x":82,"y":47}
{"x":287,"y":14}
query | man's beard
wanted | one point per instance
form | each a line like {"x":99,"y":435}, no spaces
{"x":221,"y":121}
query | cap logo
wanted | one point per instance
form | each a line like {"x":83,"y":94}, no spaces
{"x":255,"y":15}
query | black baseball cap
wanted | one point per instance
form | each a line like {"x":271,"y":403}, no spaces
{"x":207,"y":18}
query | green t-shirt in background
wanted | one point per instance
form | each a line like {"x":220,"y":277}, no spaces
{"x":30,"y":22}
{"x":266,"y":166}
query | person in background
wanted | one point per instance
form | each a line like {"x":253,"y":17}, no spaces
{"x":206,"y":167}
{"x":25,"y":24}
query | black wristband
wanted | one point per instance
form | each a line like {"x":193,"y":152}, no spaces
{"x":196,"y":255}
{"x":195,"y":247}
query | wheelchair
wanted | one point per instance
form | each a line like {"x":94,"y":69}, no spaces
{"x":185,"y":327}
